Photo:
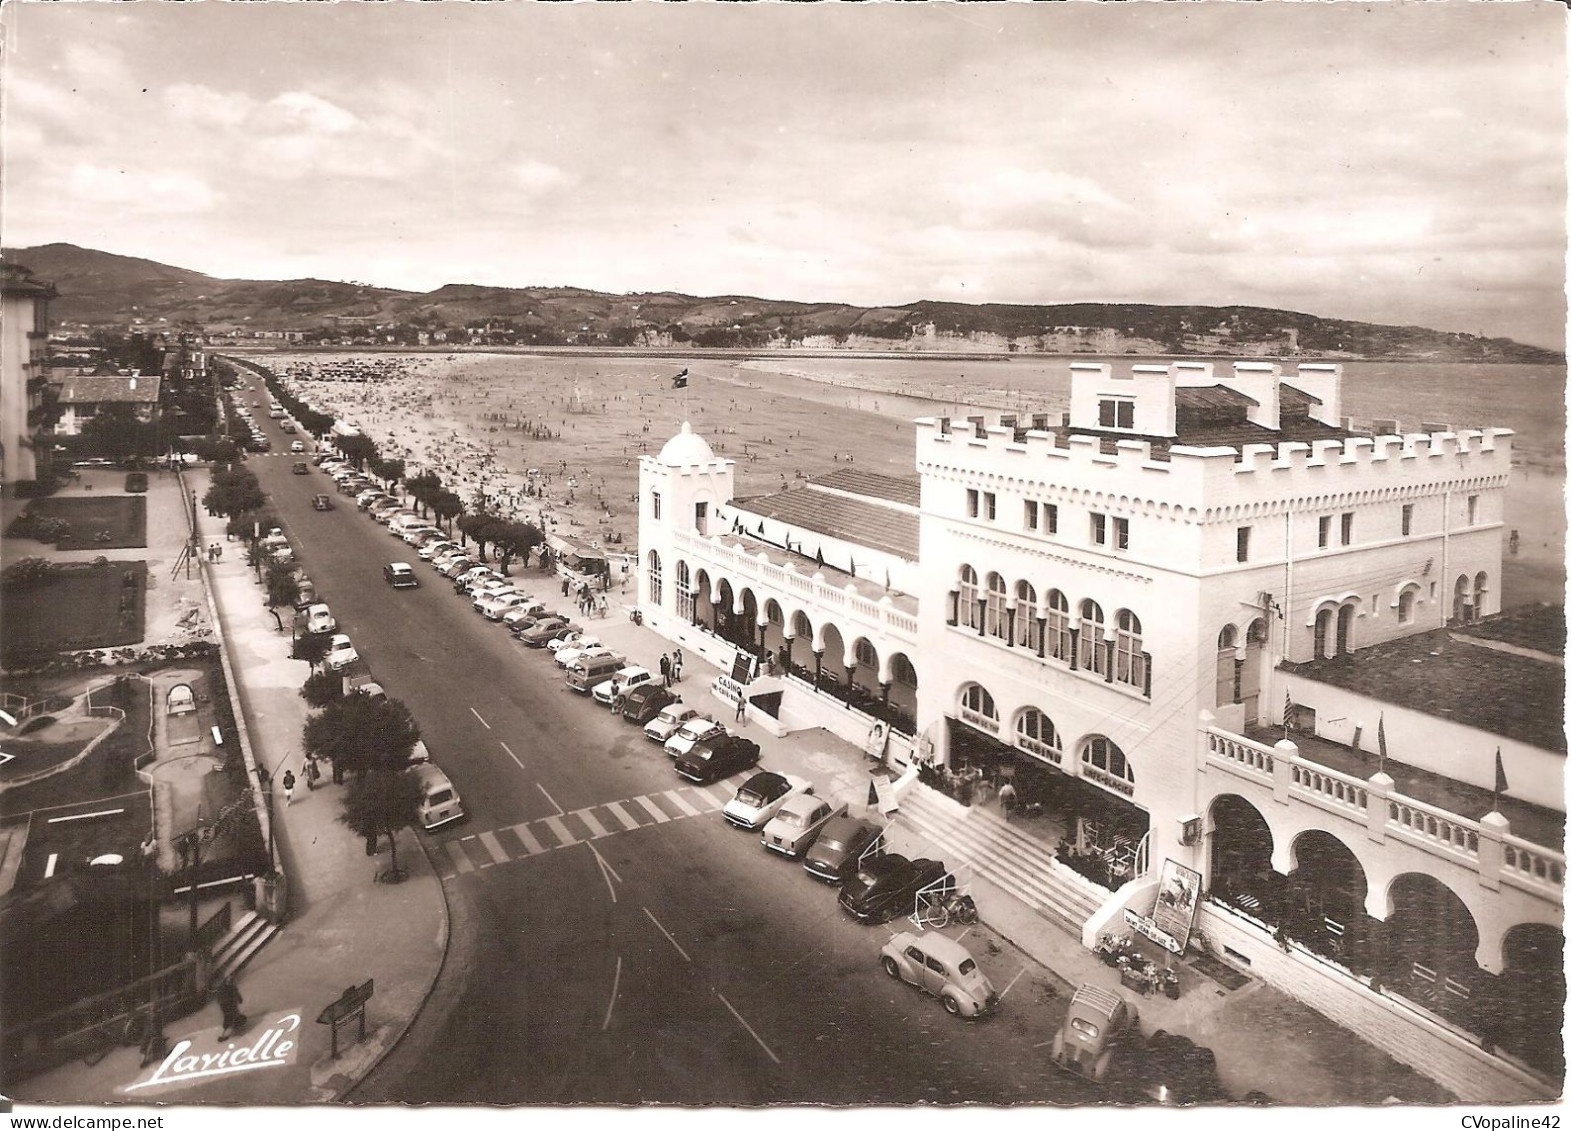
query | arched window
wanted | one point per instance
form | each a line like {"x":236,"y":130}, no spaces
{"x":1227,"y":689}
{"x":1028,"y":634}
{"x":1035,"y":732}
{"x":997,"y":615}
{"x":1462,"y":600}
{"x":684,"y":592}
{"x":901,"y":669}
{"x":1093,"y":649}
{"x":1405,"y":603}
{"x":656,"y":581}
{"x":1058,"y":638}
{"x":866,"y":655}
{"x":968,"y":612}
{"x":1480,"y":587}
{"x":1344,"y":628}
{"x":978,"y":709}
{"x":773,"y":614}
{"x":1101,"y":760}
{"x":1129,"y":662}
{"x":801,"y":627}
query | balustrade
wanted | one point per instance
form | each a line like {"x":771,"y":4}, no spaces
{"x":1529,"y":862}
{"x":1241,"y":751}
{"x":1331,"y":786}
{"x":1418,"y":819}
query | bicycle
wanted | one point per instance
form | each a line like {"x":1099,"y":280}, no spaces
{"x":937,"y":911}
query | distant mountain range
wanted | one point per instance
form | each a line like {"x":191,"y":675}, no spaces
{"x":101,"y":289}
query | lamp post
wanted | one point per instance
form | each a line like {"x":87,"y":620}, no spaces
{"x":265,"y":783}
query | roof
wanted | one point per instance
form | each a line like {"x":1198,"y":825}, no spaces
{"x":1539,"y":628}
{"x":1296,"y":397}
{"x":1448,"y":676}
{"x":865,"y":587}
{"x":17,"y":281}
{"x":108,"y":390}
{"x":906,"y":492}
{"x":1212,"y":434}
{"x":874,"y":525}
{"x":1213,"y":397}
{"x":685,"y":449}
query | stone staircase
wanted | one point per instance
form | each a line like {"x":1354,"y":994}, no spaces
{"x":1012,"y":860}
{"x":240,"y":945}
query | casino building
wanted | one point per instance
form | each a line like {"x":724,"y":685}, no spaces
{"x":1201,"y":621}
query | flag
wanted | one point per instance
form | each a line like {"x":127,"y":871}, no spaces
{"x":1380,"y":736}
{"x":1501,"y":785}
{"x":680,"y":380}
{"x":1287,"y":710}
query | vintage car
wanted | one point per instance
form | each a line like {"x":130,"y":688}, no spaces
{"x":886,"y":886}
{"x":1099,"y":1024}
{"x":318,"y":618}
{"x":792,"y":830}
{"x":761,"y":797}
{"x":340,"y":652}
{"x":1172,"y":1069}
{"x":401,"y":575}
{"x":942,"y":967}
{"x":672,"y":718}
{"x":841,"y":846}
{"x":643,"y":703}
{"x":717,"y":758}
{"x":321,"y":502}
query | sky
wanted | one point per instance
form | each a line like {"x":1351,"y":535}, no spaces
{"x":1392,"y":162}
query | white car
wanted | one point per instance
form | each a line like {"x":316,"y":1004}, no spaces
{"x":498,"y":604}
{"x":472,"y":574}
{"x":297,"y":446}
{"x":521,"y":612}
{"x":670,"y":720}
{"x":691,"y":733}
{"x":797,"y":823}
{"x":445,"y":558}
{"x":341,"y":653}
{"x":573,"y":640}
{"x":761,"y":797}
{"x":417,"y":534}
{"x":567,"y":657}
{"x":457,"y":565}
{"x":485,"y":587}
{"x":433,"y":550}
{"x":621,"y":683}
{"x":318,"y":618}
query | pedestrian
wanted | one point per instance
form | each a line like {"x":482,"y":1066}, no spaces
{"x":311,"y":773}
{"x":564,"y":586}
{"x":604,"y":607}
{"x":676,"y":665}
{"x":741,"y":707}
{"x":228,"y":996}
{"x":1006,"y":798}
{"x":218,"y":551}
{"x":289,"y":786}
{"x":665,"y":669}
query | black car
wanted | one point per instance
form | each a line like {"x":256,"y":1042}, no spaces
{"x":839,"y":848}
{"x":1172,"y":1069}
{"x":646,"y":701}
{"x":886,"y":887}
{"x":716,"y":758}
{"x":321,"y":502}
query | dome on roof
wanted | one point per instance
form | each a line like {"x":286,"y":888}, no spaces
{"x":685,"y":448}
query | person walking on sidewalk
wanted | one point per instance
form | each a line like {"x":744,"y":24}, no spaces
{"x":665,"y":669}
{"x":289,"y":787}
{"x":676,"y":665}
{"x":1006,"y":799}
{"x":741,"y":708}
{"x":228,"y":997}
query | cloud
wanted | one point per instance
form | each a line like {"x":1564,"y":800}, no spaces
{"x":304,"y":110}
{"x":162,"y":191}
{"x":537,"y":177}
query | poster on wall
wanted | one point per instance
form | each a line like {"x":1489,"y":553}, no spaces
{"x":877,"y":741}
{"x":1177,"y":896}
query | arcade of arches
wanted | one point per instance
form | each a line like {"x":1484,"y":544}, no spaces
{"x":851,"y":670}
{"x":1425,"y":949}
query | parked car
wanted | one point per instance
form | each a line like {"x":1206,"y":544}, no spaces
{"x":620,"y":684}
{"x":340,"y":652}
{"x":761,"y":797}
{"x":435,"y":548}
{"x":663,"y":727}
{"x":586,"y":645}
{"x":439,"y":800}
{"x":690,"y":734}
{"x":305,"y":596}
{"x":542,"y":633}
{"x":717,"y":758}
{"x":472,"y":578}
{"x":942,"y":967}
{"x":483,"y":587}
{"x":401,"y":575}
{"x":318,"y":618}
{"x":322,"y":502}
{"x":1099,"y":1024}
{"x":458,"y":564}
{"x":497,"y":605}
{"x":417,"y":535}
{"x":885,"y":887}
{"x":642,"y":704}
{"x":1171,"y":1069}
{"x":842,"y":846}
{"x":136,"y":482}
{"x":794,"y":828}
{"x":570,"y":640}
{"x":523,"y":617}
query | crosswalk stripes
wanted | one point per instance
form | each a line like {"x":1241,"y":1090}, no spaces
{"x":487,"y":849}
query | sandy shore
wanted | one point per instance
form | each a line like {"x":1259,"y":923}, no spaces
{"x":480,"y":421}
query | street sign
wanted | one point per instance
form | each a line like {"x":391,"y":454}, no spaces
{"x":351,"y":1004}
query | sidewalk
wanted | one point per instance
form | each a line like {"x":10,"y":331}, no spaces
{"x":341,"y":927}
{"x":1264,"y":1040}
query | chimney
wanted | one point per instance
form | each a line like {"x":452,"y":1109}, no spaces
{"x":1323,"y":381}
{"x":1261,"y":381}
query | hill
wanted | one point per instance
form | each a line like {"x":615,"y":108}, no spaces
{"x":101,"y":289}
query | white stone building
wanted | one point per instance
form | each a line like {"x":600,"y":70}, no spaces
{"x":1183,"y":621}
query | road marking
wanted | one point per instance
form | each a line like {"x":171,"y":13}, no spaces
{"x":476,"y":714}
{"x":676,"y":799}
{"x":555,"y":825}
{"x":746,"y":1026}
{"x":49,"y":868}
{"x":531,"y":844}
{"x":511,"y":755}
{"x":85,"y":816}
{"x":607,"y":873}
{"x":667,"y":934}
{"x":616,"y":981}
{"x":714,"y":802}
{"x":1011,"y":984}
{"x":460,"y":858}
{"x":622,"y":815}
{"x":596,"y":829}
{"x":494,"y":847}
{"x":549,"y":798}
{"x":652,"y":809}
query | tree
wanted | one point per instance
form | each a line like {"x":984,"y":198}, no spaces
{"x":310,"y":647}
{"x":114,"y":431}
{"x":233,"y":491}
{"x":478,"y":526}
{"x":382,"y":801}
{"x":357,"y":449}
{"x":388,"y":471}
{"x":515,"y":539}
{"x":283,"y":587}
{"x":361,"y":733}
{"x":322,"y":688}
{"x":447,"y":506}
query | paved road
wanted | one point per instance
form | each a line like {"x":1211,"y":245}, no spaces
{"x":612,"y":939}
